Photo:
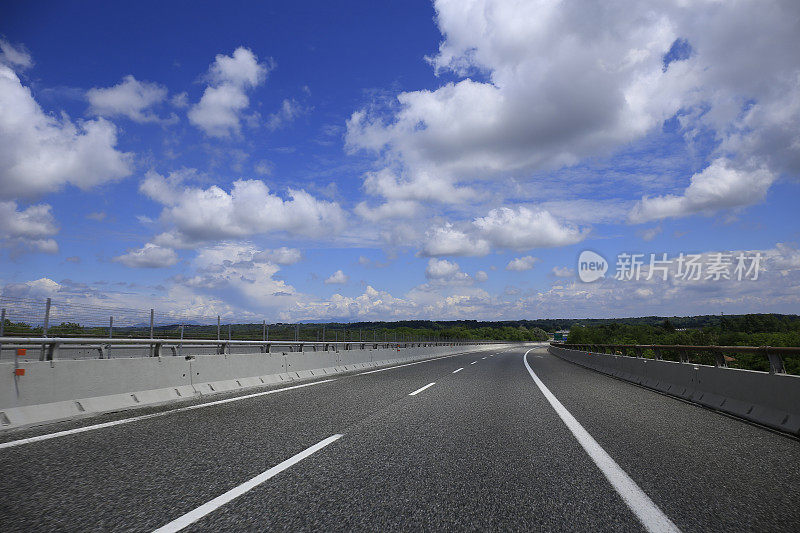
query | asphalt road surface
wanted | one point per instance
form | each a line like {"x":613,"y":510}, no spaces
{"x":494,"y":440}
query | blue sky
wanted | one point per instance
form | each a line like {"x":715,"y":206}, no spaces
{"x":396,"y":160}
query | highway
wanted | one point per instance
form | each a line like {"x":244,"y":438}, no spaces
{"x":495,"y":440}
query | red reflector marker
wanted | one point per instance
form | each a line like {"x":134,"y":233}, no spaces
{"x":21,"y":351}
{"x":19,"y":371}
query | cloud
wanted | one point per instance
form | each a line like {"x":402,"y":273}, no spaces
{"x":521,"y":264}
{"x":130,"y":98}
{"x":389,"y":210}
{"x":288,"y":111}
{"x":366,"y":262}
{"x":520,"y":229}
{"x":280,"y":256}
{"x":651,"y":233}
{"x":15,"y":56}
{"x":718,"y":186}
{"x":220,"y":110}
{"x":97,"y":216}
{"x":481,"y":276}
{"x":563,"y":272}
{"x":441,"y":268}
{"x":448,"y":240}
{"x":40,"y":153}
{"x":264,"y":168}
{"x":39,"y":288}
{"x":196,"y":214}
{"x":441,"y":273}
{"x":148,"y":256}
{"x":30,"y":229}
{"x":523,"y":228}
{"x":238,"y":270}
{"x":545,"y":85}
{"x":337,"y":278}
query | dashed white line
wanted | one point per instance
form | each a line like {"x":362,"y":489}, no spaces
{"x":648,"y":513}
{"x":49,"y":436}
{"x":195,"y":515}
{"x":472,"y":363}
{"x":409,"y":364}
{"x":422,"y":389}
{"x":458,"y":370}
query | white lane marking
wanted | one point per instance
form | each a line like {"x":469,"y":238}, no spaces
{"x":648,"y":513}
{"x":472,"y":363}
{"x":458,"y":370}
{"x":409,"y":364}
{"x":49,"y":436}
{"x":421,"y":389}
{"x":195,"y":515}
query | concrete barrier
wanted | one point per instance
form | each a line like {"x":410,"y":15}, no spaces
{"x":47,"y":391}
{"x":772,"y":400}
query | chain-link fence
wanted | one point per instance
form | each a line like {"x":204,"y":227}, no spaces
{"x":27,"y":317}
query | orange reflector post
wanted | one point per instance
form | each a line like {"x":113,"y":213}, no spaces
{"x":19,"y":371}
{"x":21,"y":351}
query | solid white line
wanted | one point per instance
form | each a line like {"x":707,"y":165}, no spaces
{"x":458,"y":370}
{"x":648,"y":513}
{"x":422,"y":389}
{"x":153,"y":415}
{"x":195,"y":515}
{"x":409,"y":364}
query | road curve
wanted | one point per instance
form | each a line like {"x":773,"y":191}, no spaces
{"x":483,"y":441}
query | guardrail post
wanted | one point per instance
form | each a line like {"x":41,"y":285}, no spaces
{"x":683,"y":355}
{"x":775,"y":363}
{"x":46,"y":317}
{"x":45,"y":327}
{"x":110,"y":334}
{"x":152,"y":320}
{"x":2,"y":328}
{"x":157,"y":349}
{"x":657,"y":354}
{"x":638,"y":350}
{"x":52,"y":351}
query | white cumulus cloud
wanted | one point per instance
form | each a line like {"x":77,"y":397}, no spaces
{"x":130,"y":98}
{"x":220,"y":110}
{"x":31,"y":228}
{"x":40,"y":153}
{"x":543,"y":85}
{"x":196,"y":214}
{"x":148,"y":256}
{"x":720,"y":185}
{"x":521,"y":264}
{"x":337,"y":278}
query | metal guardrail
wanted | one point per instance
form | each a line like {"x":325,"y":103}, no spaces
{"x":49,"y":346}
{"x":773,"y":353}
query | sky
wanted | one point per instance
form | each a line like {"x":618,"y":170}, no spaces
{"x":315,"y":161}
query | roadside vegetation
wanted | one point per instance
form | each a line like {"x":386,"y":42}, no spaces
{"x":737,"y":330}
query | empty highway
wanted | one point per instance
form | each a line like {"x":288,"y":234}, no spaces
{"x":500,"y":440}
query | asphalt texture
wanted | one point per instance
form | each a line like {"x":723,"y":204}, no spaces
{"x":480,"y":450}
